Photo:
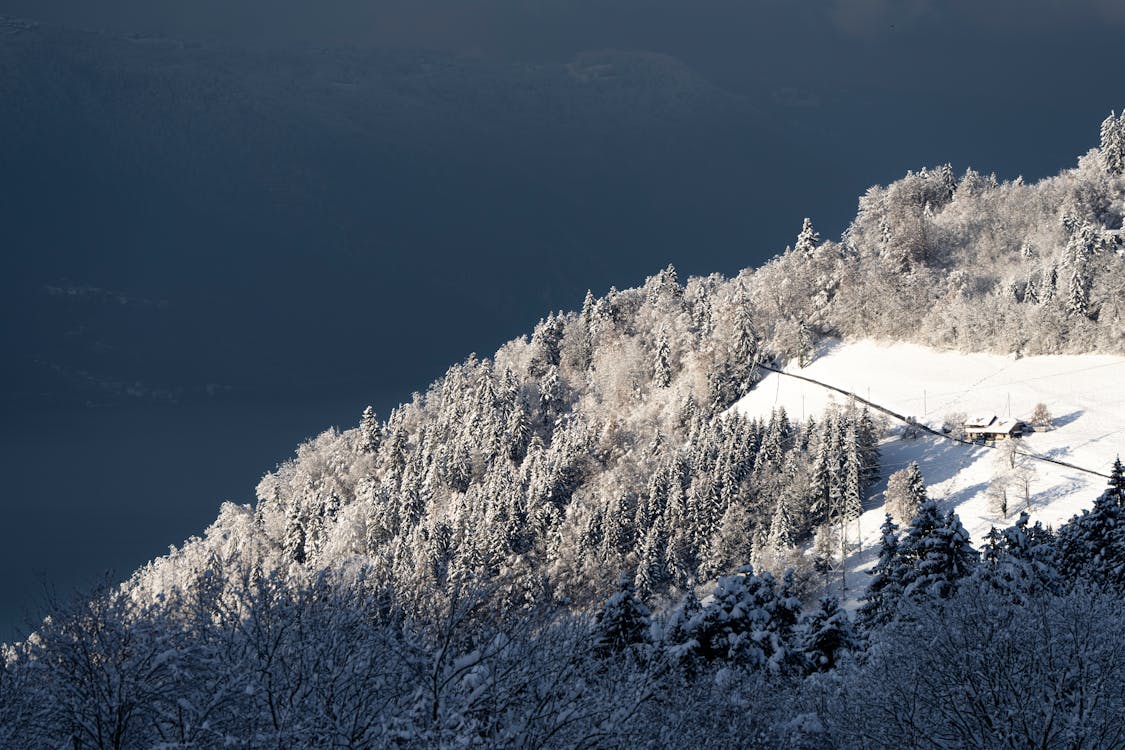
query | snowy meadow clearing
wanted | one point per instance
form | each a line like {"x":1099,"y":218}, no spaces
{"x":1082,"y":393}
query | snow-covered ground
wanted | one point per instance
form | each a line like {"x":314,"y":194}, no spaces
{"x":1085,"y":395}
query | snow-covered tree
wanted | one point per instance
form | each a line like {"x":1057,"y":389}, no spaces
{"x":905,"y":493}
{"x":998,"y":501}
{"x":1041,"y":417}
{"x":935,"y":553}
{"x":885,"y":587}
{"x":1092,"y":544}
{"x":1113,"y":144}
{"x":851,"y":499}
{"x":745,"y":350}
{"x":370,"y":431}
{"x":738,"y":625}
{"x":1115,"y":491}
{"x":825,"y":635}
{"x":662,"y":369}
{"x":804,"y":345}
{"x":808,"y":239}
{"x":1020,"y":561}
{"x":1077,"y":299}
{"x":622,"y":623}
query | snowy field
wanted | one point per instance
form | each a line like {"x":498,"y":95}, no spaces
{"x":1085,"y":395}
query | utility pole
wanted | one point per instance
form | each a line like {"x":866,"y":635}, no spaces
{"x":837,"y":519}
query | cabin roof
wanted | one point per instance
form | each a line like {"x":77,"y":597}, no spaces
{"x":995,"y":427}
{"x":980,"y":420}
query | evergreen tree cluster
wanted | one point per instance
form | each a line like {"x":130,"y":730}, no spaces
{"x":556,"y":479}
{"x":1113,"y":143}
{"x":927,"y":561}
{"x":756,"y":622}
{"x":930,"y":560}
{"x":1017,"y":646}
{"x":966,"y":261}
{"x":601,"y":442}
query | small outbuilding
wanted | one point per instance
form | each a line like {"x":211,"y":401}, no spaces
{"x":991,"y":427}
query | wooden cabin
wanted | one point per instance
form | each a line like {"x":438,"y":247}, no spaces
{"x":991,"y":427}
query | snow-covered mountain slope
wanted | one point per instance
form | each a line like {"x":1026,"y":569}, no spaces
{"x":1083,"y":393}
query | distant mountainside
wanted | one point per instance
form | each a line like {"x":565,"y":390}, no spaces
{"x":594,"y":447}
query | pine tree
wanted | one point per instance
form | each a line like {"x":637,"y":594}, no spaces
{"x":370,"y":434}
{"x":905,"y":493}
{"x":777,"y":438}
{"x":545,"y":344}
{"x":662,"y":370}
{"x":294,"y":541}
{"x":1077,"y":302}
{"x":551,"y":395}
{"x":619,"y":532}
{"x":936,"y":553}
{"x":670,"y":283}
{"x":744,"y":353}
{"x":735,"y":625}
{"x":819,"y":490}
{"x":460,"y":467}
{"x":395,"y":448}
{"x":1115,"y":492}
{"x":1020,"y":561}
{"x":826,"y":634}
{"x":588,"y":320}
{"x":1113,"y":144}
{"x":652,"y":568}
{"x":782,"y":533}
{"x":853,"y":485}
{"x":824,"y":551}
{"x":993,"y":548}
{"x":702,"y":315}
{"x":518,"y":433}
{"x":808,"y":239}
{"x":787,"y":606}
{"x":783,"y":654}
{"x":915,"y":489}
{"x":1050,"y":284}
{"x":869,"y":455}
{"x":622,"y":623}
{"x":885,"y":588}
{"x":1092,"y":545}
{"x":804,"y":345}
